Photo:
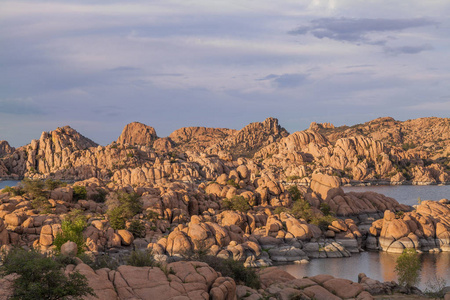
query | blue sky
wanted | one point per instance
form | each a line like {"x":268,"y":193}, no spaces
{"x":98,"y":65}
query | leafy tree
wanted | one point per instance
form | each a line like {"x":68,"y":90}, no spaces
{"x":42,"y":277}
{"x":236,"y":203}
{"x":51,"y":184}
{"x":408,"y":268}
{"x":79,"y":192}
{"x":122,"y":207}
{"x":72,"y":230}
{"x":137,"y":228}
{"x":33,"y":187}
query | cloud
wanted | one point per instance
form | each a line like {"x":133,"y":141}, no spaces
{"x":408,"y":49}
{"x":19,"y":107}
{"x":286,"y":80}
{"x":124,"y":69}
{"x":357,"y":30}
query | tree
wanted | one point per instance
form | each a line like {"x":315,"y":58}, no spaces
{"x":72,"y":230}
{"x":408,"y":268}
{"x":42,"y":277}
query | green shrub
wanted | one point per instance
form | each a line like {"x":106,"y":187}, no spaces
{"x":42,"y":277}
{"x":79,"y":192}
{"x":51,"y":184}
{"x":141,"y":259}
{"x":295,"y":193}
{"x":72,"y":230}
{"x":408,"y":268}
{"x":325,"y":208}
{"x":233,"y":183}
{"x":280,"y":209}
{"x":100,"y":261}
{"x":13,"y":191}
{"x":233,"y":269}
{"x":33,"y":187}
{"x":292,"y":178}
{"x":137,"y":228}
{"x":100,"y":197}
{"x":238,"y":203}
{"x":41,"y":204}
{"x":122,"y":207}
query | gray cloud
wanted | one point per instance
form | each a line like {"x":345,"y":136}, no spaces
{"x":408,"y":49}
{"x":286,"y":80}
{"x":357,"y":30}
{"x":19,"y":107}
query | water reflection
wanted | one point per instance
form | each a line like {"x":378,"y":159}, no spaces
{"x":376,"y":265}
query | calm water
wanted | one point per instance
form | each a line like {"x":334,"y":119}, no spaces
{"x":406,"y":194}
{"x":376,"y":265}
{"x":8,"y":183}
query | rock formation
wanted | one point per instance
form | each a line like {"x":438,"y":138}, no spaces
{"x":137,"y":134}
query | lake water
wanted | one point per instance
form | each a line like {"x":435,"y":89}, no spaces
{"x":380,"y":265}
{"x":8,"y":183}
{"x":406,"y":194}
{"x":376,"y":265}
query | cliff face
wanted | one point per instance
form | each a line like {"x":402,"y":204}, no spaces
{"x":382,"y":149}
{"x":137,"y":134}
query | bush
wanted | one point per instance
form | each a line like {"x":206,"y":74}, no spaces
{"x":72,"y":230}
{"x":233,"y":183}
{"x":42,"y":277}
{"x":41,"y":204}
{"x":141,"y":259}
{"x":100,"y":197}
{"x":408,"y":268}
{"x":122,"y":207}
{"x":233,"y":269}
{"x":236,"y":203}
{"x":295,"y":193}
{"x":435,"y":288}
{"x":13,"y":191}
{"x":292,"y":178}
{"x":100,"y":261}
{"x":79,"y":192}
{"x":51,"y":184}
{"x":137,"y":228}
{"x":325,"y":209}
{"x":33,"y":187}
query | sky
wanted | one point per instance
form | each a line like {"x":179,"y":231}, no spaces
{"x":98,"y":65}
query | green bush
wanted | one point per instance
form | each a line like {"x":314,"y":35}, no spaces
{"x":295,"y":193}
{"x":100,"y":197}
{"x":42,"y":277}
{"x":79,"y":192}
{"x":41,"y":204}
{"x":33,"y":187}
{"x":238,"y":203}
{"x":51,"y":184}
{"x":233,"y":269}
{"x":122,"y":207}
{"x":137,"y":228}
{"x":100,"y":261}
{"x":325,"y":208}
{"x":233,"y":183}
{"x":141,"y":259}
{"x":13,"y":191}
{"x":292,"y":178}
{"x":72,"y":230}
{"x":408,"y":268}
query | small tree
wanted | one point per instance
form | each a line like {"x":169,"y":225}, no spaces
{"x":408,"y":268}
{"x":122,"y":207}
{"x":42,"y":277}
{"x":72,"y":230}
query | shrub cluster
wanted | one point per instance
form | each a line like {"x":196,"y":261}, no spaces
{"x":236,"y":203}
{"x":72,"y":230}
{"x":42,"y":277}
{"x":122,"y":207}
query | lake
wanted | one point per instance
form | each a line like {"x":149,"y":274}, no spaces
{"x":8,"y":183}
{"x":406,"y":194}
{"x":380,"y":265}
{"x":376,"y":265}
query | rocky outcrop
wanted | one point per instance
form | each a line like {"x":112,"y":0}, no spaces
{"x":278,"y":284}
{"x":199,"y":138}
{"x":178,"y":280}
{"x":427,"y":229}
{"x":137,"y":134}
{"x":5,"y":148}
